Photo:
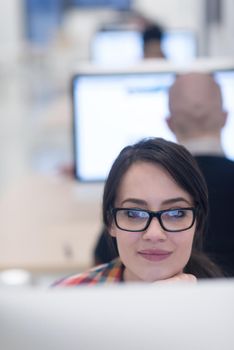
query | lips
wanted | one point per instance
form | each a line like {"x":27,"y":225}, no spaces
{"x":154,"y":254}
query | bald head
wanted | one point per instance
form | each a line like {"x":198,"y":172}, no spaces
{"x":195,"y":105}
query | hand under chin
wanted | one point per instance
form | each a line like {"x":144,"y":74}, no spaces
{"x":180,"y":277}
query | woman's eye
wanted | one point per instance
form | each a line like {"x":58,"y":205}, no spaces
{"x":177,"y":213}
{"x":136,"y":214}
{"x":132,"y":214}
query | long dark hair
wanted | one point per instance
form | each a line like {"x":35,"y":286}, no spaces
{"x":183,"y":168}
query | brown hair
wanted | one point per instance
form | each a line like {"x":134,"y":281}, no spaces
{"x":183,"y":168}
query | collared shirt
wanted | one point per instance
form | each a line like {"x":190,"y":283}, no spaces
{"x":111,"y":272}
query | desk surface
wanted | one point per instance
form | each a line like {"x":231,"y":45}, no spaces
{"x":49,"y":223}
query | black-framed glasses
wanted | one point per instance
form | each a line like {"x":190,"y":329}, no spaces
{"x":138,"y":220}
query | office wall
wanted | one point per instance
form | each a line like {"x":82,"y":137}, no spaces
{"x":215,"y":38}
{"x":176,"y":13}
{"x":11,"y":29}
{"x":227,"y":40}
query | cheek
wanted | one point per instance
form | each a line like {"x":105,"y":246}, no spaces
{"x":124,"y":237}
{"x":183,"y":242}
{"x":126,"y":241}
{"x":183,"y":245}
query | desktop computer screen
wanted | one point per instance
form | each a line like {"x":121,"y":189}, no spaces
{"x":113,"y":47}
{"x":180,"y":46}
{"x":112,"y":110}
{"x":225,"y":79}
{"x":116,"y":47}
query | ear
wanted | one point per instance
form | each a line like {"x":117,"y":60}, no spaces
{"x":112,"y":230}
{"x":224,"y":118}
{"x":169,"y":122}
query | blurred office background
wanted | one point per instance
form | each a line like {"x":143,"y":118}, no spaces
{"x":44,"y":216}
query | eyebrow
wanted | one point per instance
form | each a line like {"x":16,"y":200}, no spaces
{"x":167,"y":201}
{"x":175,"y":200}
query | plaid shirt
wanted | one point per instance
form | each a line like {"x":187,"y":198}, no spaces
{"x":111,"y":272}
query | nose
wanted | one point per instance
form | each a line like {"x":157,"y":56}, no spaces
{"x":154,"y":232}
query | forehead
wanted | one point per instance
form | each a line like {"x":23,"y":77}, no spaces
{"x":145,"y":180}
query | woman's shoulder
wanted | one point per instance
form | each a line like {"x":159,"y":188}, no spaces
{"x":109,"y":272}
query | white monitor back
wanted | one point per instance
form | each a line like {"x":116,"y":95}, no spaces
{"x":161,"y":317}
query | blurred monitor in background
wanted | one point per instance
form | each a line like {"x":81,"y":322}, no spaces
{"x":112,"y":110}
{"x":180,"y":45}
{"x":118,"y":46}
{"x":225,"y":78}
{"x":125,"y":107}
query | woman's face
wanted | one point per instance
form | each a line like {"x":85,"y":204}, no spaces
{"x":153,"y":254}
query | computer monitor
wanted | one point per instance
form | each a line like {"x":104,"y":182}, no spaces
{"x":119,"y":317}
{"x":180,"y":45}
{"x":112,"y":110}
{"x":225,"y":78}
{"x":116,"y":46}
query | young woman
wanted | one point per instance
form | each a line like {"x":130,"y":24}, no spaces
{"x":155,"y":207}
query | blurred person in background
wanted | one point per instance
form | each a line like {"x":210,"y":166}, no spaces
{"x":152,"y":36}
{"x":197,"y":118}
